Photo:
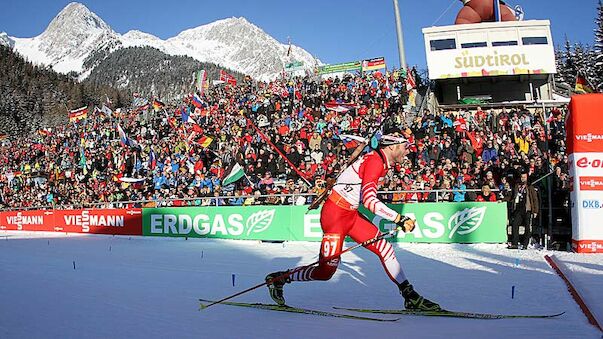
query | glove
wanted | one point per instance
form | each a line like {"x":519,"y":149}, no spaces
{"x":407,"y":224}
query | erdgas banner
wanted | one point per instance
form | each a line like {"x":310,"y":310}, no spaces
{"x":463,"y":222}
{"x":436,"y":222}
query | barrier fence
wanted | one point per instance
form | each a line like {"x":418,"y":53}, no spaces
{"x":230,"y":200}
{"x":462,"y":222}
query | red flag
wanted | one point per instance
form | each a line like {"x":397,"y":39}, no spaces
{"x":229,"y":79}
{"x":410,"y":80}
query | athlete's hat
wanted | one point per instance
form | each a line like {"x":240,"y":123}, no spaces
{"x":393,"y":136}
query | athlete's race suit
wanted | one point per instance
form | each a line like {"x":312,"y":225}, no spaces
{"x":339,"y":218}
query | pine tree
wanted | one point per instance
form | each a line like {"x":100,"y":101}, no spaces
{"x":560,"y":66}
{"x":568,"y":70}
{"x":598,"y":49}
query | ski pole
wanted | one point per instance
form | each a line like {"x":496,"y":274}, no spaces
{"x":324,"y":259}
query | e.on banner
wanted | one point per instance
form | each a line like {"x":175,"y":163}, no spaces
{"x":584,"y":128}
{"x":97,"y":221}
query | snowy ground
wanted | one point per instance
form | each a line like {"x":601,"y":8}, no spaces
{"x":147,"y":288}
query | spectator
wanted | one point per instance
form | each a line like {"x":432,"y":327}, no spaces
{"x":486,"y":195}
{"x":525,"y":206}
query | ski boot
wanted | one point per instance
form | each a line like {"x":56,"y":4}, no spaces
{"x":413,"y":301}
{"x":275,"y":287}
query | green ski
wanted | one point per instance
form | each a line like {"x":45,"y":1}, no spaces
{"x":273,"y":307}
{"x":452,"y":314}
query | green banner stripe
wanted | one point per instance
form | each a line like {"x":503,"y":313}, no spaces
{"x":468,"y":222}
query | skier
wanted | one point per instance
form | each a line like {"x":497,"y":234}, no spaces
{"x":340,"y":218}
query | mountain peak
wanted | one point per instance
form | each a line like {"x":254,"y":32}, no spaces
{"x":6,"y":40}
{"x":77,"y":34}
{"x":76,"y":16}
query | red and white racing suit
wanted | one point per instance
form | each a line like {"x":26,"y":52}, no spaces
{"x":340,"y":218}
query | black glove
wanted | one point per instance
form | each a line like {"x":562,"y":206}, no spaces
{"x":407,"y":224}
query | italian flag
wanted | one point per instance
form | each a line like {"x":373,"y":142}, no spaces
{"x":235,"y":174}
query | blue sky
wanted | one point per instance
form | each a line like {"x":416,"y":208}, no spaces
{"x":333,"y":31}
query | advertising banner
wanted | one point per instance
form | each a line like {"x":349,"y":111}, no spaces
{"x":463,"y":222}
{"x":436,"y":222}
{"x":96,"y":221}
{"x":294,"y":66}
{"x":585,"y":148}
{"x":373,"y":64}
{"x":344,"y":67}
{"x":486,"y":61}
{"x":26,"y":221}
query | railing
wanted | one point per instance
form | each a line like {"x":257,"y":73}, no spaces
{"x":229,"y":200}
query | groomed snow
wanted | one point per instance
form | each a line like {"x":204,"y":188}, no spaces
{"x":138,"y":287}
{"x":585,"y":271}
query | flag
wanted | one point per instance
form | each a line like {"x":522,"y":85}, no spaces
{"x":582,"y":85}
{"x":78,"y":114}
{"x":123,"y":138}
{"x":412,"y":98}
{"x":139,"y":101}
{"x":197,"y":102}
{"x":44,"y":132}
{"x":186,"y":116}
{"x":107,"y":111}
{"x":83,"y":160}
{"x":200,"y":79}
{"x":351,"y":141}
{"x":410,"y":80}
{"x":236,"y":173}
{"x":152,"y":160}
{"x":339,"y":107}
{"x":205,"y":141}
{"x":157,"y":105}
{"x":228,"y":78}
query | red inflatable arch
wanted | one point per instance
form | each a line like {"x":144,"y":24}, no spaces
{"x":476,"y":11}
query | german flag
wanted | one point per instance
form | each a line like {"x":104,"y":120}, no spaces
{"x":78,"y":114}
{"x":205,"y":141}
{"x":44,"y":132}
{"x":157,"y":105}
{"x":582,"y":85}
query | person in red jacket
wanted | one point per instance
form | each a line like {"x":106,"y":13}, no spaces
{"x":340,"y":218}
{"x":486,"y":195}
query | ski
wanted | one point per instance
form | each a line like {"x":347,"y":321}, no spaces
{"x":290,"y":309}
{"x":451,"y":314}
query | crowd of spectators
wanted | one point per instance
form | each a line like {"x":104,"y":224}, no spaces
{"x":472,"y":154}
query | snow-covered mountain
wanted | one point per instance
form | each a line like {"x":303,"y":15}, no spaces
{"x":76,"y":33}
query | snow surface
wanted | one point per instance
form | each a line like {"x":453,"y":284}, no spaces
{"x":586,"y":275}
{"x":139,"y":287}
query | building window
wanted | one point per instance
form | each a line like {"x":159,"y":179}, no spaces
{"x":504,"y":43}
{"x":474,"y":44}
{"x":535,"y":40}
{"x":442,"y":44}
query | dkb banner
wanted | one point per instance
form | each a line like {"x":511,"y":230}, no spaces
{"x":436,"y":222}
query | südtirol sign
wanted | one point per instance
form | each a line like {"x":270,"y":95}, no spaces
{"x":491,"y":61}
{"x":466,"y":60}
